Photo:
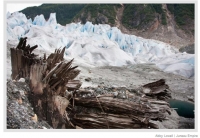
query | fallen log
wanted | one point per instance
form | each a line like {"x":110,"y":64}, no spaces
{"x":157,"y":89}
{"x":96,"y":121}
{"x":140,"y":109}
{"x":155,"y":84}
{"x":126,"y":107}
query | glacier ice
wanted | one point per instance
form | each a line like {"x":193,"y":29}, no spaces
{"x":16,"y":19}
{"x":8,"y":14}
{"x":98,"y":44}
{"x":18,"y":31}
{"x":39,"y":20}
{"x":52,"y":19}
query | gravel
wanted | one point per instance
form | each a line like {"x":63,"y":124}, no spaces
{"x":19,"y":109}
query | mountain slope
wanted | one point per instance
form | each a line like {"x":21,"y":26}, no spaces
{"x":170,"y":23}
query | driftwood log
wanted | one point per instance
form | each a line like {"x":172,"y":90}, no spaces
{"x":56,"y":96}
{"x":111,"y":111}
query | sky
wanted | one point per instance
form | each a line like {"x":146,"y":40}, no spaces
{"x":13,"y":7}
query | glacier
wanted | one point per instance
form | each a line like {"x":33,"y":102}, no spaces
{"x":98,"y":45}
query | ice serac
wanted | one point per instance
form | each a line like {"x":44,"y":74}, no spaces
{"x":98,"y":45}
{"x":39,"y":20}
{"x":16,"y":19}
{"x":8,"y":14}
{"x":52,"y":19}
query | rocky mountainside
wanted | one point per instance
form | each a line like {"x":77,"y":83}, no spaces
{"x":175,"y":27}
{"x":170,"y":23}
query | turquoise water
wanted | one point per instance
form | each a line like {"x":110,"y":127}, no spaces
{"x":185,"y":109}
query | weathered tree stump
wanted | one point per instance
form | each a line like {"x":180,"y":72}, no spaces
{"x":48,"y":81}
{"x":21,"y":59}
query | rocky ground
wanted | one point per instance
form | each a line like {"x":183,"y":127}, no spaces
{"x":133,"y":76}
{"x":188,"y":49}
{"x":20,"y":114}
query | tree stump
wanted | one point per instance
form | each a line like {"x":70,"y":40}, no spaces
{"x":48,"y":81}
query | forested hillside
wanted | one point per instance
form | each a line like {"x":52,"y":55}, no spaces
{"x":64,"y":12}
